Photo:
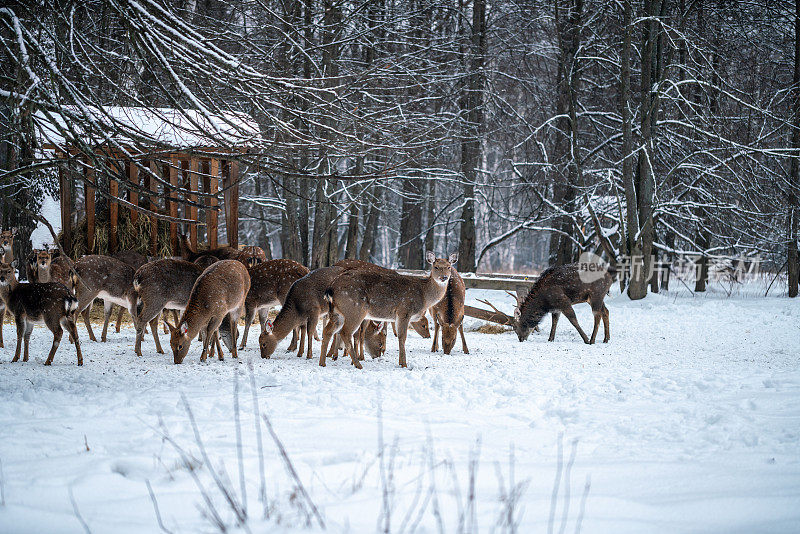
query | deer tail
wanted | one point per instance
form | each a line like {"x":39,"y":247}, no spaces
{"x":70,"y":304}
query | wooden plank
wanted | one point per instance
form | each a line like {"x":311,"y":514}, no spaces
{"x":113,"y":215}
{"x":154,"y":208}
{"x":231,"y":185}
{"x":497,"y":281}
{"x":133,"y":194}
{"x":174,"y":172}
{"x":212,"y":225}
{"x":89,"y":201}
{"x":194,"y":175}
{"x":65,"y":187}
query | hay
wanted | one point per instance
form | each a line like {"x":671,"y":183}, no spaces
{"x":492,"y":328}
{"x":130,"y":235}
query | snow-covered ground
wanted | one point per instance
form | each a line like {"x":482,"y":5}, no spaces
{"x":687,"y":421}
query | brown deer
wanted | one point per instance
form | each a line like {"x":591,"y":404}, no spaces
{"x":448,"y":315}
{"x":370,"y":335}
{"x":252,"y":256}
{"x":269,"y":284}
{"x":7,"y":244}
{"x":106,"y":278}
{"x":305,"y":304}
{"x":135,"y":260}
{"x":161,"y":284}
{"x":556,"y":290}
{"x":48,"y":303}
{"x":52,"y":268}
{"x":219,"y":292}
{"x":360,"y":294}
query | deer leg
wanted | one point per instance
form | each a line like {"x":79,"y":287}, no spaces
{"x":394,"y":329}
{"x":233,"y":319}
{"x":219,"y":347}
{"x":346,"y":334}
{"x":332,"y":328}
{"x":597,"y":314}
{"x":248,"y":320}
{"x":57,"y":333}
{"x":164,"y":321}
{"x":554,"y":318}
{"x":206,"y":342}
{"x":107,"y":309}
{"x":154,"y":328}
{"x":302,"y":346}
{"x":295,"y":338}
{"x":570,"y":314}
{"x":311,"y":325}
{"x":72,"y":330}
{"x":20,"y":322}
{"x":119,"y":318}
{"x":402,"y":332}
{"x":2,"y":317}
{"x":28,"y":331}
{"x":463,"y":339}
{"x":606,"y":324}
{"x":86,"y":321}
{"x":435,"y":345}
{"x":361,"y":335}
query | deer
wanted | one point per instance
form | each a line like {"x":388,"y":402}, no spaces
{"x":2,"y":302}
{"x":164,"y":284}
{"x":269,"y":285}
{"x":448,"y":315}
{"x":556,"y":290}
{"x":52,"y":268}
{"x":205,"y":260}
{"x":103,"y":277}
{"x":370,"y":335}
{"x":48,"y":303}
{"x":7,"y":244}
{"x":219,"y":292}
{"x":223,"y":252}
{"x":305,"y":304}
{"x":368,"y":294}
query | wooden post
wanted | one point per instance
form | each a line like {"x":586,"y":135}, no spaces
{"x":113,"y":215}
{"x":65,"y":187}
{"x":230,"y":181}
{"x":194,"y":174}
{"x":212,"y":225}
{"x":153,"y":208}
{"x":174,"y":172}
{"x":133,"y":195}
{"x":89,"y":193}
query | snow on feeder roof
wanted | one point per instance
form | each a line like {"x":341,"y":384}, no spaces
{"x":165,"y":127}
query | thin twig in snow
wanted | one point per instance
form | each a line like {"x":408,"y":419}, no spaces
{"x":239,"y":455}
{"x":78,"y":513}
{"x":155,"y":508}
{"x":262,"y":490}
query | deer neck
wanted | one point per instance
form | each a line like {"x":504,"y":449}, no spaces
{"x":532,"y":311}
{"x":284,"y":323}
{"x":434,"y":291}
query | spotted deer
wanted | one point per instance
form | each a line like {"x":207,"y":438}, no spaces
{"x":371,"y":335}
{"x":368,"y":294}
{"x":219,"y":292}
{"x":448,"y":315}
{"x":164,"y":284}
{"x":52,"y":268}
{"x":47,"y":303}
{"x":105,"y":278}
{"x":269,"y":285}
{"x":305,"y":304}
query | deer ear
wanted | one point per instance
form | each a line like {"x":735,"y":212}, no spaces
{"x":431,"y":257}
{"x":184,"y":329}
{"x":453,"y":258}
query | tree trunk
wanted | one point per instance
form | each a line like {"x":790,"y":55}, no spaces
{"x":701,"y":281}
{"x":410,"y":253}
{"x":430,"y":235}
{"x":792,"y":260}
{"x":371,"y":228}
{"x":471,"y":154}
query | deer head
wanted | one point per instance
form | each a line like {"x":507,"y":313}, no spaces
{"x":7,"y":238}
{"x":440,"y":267}
{"x":179,"y":340}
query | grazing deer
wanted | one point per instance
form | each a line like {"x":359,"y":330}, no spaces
{"x":7,"y":244}
{"x":48,"y":303}
{"x":106,"y":278}
{"x":219,"y":291}
{"x":305,"y":304}
{"x":269,"y":284}
{"x":448,"y":315}
{"x":367,"y":294}
{"x":556,"y":290}
{"x":252,"y":256}
{"x":371,"y":334}
{"x":161,"y":284}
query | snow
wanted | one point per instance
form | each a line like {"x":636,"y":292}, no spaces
{"x":687,"y":421}
{"x":51,"y":211}
{"x":186,"y":128}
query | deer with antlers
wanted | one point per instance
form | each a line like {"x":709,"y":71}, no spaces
{"x":555,"y":292}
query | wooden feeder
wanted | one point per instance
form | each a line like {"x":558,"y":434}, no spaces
{"x":200,"y":159}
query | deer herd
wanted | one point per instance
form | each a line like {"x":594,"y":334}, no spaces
{"x":207,"y":292}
